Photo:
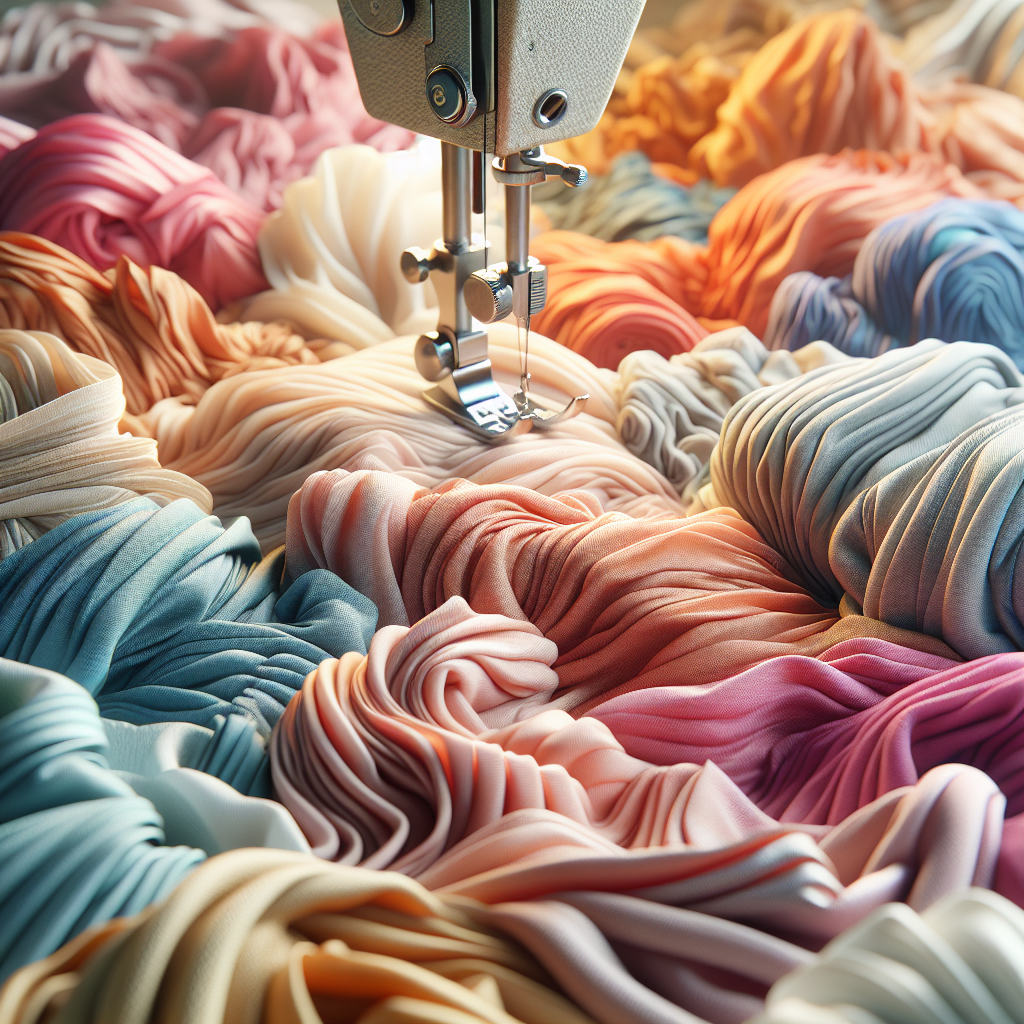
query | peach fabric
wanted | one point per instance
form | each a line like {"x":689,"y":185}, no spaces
{"x":124,"y":193}
{"x":254,"y":438}
{"x":629,"y":603}
{"x":150,"y":325}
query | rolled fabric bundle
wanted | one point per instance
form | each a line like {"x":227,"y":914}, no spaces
{"x":812,"y":214}
{"x":78,"y":845}
{"x":150,"y":325}
{"x":266,"y":935}
{"x":934,"y":542}
{"x":671,"y":411}
{"x":959,"y":960}
{"x":794,"y":457}
{"x":632,"y":201}
{"x":666,"y":602}
{"x":13,"y":134}
{"x":126,"y":194}
{"x":609,"y":299}
{"x":164,"y":615}
{"x":830,"y":79}
{"x":807,"y":308}
{"x":60,"y":450}
{"x":255,"y":438}
{"x":814,"y":740}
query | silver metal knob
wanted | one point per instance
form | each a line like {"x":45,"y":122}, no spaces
{"x":416,"y":264}
{"x":435,"y":356}
{"x":488,"y":295}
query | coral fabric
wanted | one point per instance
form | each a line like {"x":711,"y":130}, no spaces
{"x":629,"y":603}
{"x":266,"y":935}
{"x":124,"y":193}
{"x":165,"y":615}
{"x":814,"y":740}
{"x":60,"y":450}
{"x":150,"y":325}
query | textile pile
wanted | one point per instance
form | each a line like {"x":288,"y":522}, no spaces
{"x":706,"y":705}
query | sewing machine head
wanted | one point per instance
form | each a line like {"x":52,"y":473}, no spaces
{"x":487,"y":76}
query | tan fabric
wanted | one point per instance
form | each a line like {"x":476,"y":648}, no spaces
{"x":267,"y":935}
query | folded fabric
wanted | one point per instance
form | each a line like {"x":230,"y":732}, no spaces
{"x":953,"y":271}
{"x":813,"y":740}
{"x":959,"y":960}
{"x":794,"y":457}
{"x":150,"y":325}
{"x":671,"y":411}
{"x":632,"y":201}
{"x":78,"y":846}
{"x":933,"y":545}
{"x":165,"y":615}
{"x":265,"y":935}
{"x":629,"y":603}
{"x":125,"y":193}
{"x":13,"y":134}
{"x":60,"y":450}
{"x":255,"y":438}
{"x":609,"y":299}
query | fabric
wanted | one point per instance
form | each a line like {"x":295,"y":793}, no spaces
{"x":127,"y":194}
{"x":13,"y":134}
{"x":633,"y":201}
{"x":606,"y":300}
{"x":150,"y":325}
{"x":260,"y":935}
{"x":255,"y":438}
{"x":78,"y":845}
{"x":959,"y":960}
{"x":60,"y":450}
{"x":629,"y":603}
{"x":671,"y":411}
{"x":794,"y":457}
{"x":165,"y":615}
{"x":814,"y":740}
{"x":951,"y":271}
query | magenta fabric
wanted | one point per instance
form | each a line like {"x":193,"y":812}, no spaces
{"x":103,"y":189}
{"x":813,"y":740}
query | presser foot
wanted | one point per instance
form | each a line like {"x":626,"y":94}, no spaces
{"x":544,"y":418}
{"x":492,"y":419}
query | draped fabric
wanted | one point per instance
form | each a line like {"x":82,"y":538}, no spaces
{"x":266,"y":935}
{"x":960,"y":960}
{"x":165,"y":615}
{"x":150,"y":325}
{"x":60,"y":451}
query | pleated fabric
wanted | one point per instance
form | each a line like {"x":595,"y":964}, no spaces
{"x":260,"y":935}
{"x":125,"y":193}
{"x":165,"y":615}
{"x":671,"y":411}
{"x":959,"y":960}
{"x":794,"y":458}
{"x":629,"y":603}
{"x":814,"y":740}
{"x":60,"y":450}
{"x":78,"y":845}
{"x":149,"y":324}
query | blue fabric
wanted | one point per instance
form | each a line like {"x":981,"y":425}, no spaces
{"x":631,"y":201}
{"x":77,"y":846}
{"x":163,"y":614}
{"x":952,"y":271}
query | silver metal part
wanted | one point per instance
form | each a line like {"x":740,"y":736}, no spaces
{"x":383,"y":17}
{"x":550,"y":108}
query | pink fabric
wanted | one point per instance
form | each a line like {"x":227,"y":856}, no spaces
{"x":814,"y":740}
{"x":436,"y":755}
{"x":630,"y":603}
{"x":103,"y":189}
{"x":278,"y":101}
{"x":13,"y":134}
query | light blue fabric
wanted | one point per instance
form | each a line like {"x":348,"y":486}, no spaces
{"x":631,"y":201}
{"x":952,"y":271}
{"x":77,"y":845}
{"x":164,"y":614}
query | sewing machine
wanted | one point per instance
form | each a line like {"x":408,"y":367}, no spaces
{"x":497,"y":77}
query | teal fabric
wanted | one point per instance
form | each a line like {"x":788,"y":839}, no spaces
{"x":164,"y":614}
{"x":77,"y":845}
